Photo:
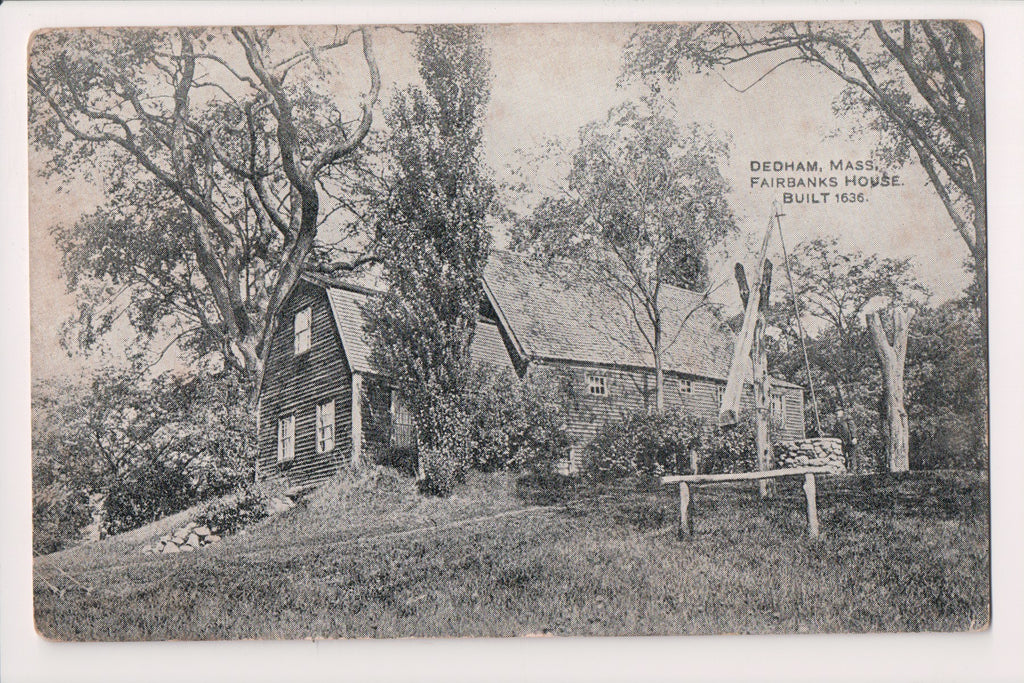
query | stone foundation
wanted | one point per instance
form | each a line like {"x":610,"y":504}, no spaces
{"x":820,"y":452}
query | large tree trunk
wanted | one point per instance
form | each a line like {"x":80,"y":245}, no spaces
{"x":892,"y":357}
{"x":762,"y":406}
{"x":762,"y":384}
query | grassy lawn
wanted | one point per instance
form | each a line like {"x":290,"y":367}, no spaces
{"x":896,"y":553}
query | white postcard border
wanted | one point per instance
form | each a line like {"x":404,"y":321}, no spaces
{"x":986,"y":656}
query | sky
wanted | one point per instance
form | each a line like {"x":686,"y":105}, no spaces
{"x":550,"y":79}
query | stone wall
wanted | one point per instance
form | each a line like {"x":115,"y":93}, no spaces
{"x":820,"y":452}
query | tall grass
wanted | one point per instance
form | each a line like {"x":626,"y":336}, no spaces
{"x":906,"y":553}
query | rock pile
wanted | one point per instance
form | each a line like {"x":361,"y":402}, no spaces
{"x":279,"y":504}
{"x":192,"y":536}
{"x":820,"y":452}
{"x":188,"y":538}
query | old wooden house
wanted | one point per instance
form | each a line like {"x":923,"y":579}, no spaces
{"x":549,"y":316}
{"x":324,"y":405}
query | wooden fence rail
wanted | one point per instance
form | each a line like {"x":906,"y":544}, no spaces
{"x":684,"y":481}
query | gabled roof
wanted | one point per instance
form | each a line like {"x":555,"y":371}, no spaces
{"x":548,"y":314}
{"x":553,"y":313}
{"x":347,"y":304}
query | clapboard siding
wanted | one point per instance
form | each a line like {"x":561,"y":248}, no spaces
{"x":297,"y":385}
{"x":634,"y":389}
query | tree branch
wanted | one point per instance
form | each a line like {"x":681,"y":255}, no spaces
{"x":336,"y":152}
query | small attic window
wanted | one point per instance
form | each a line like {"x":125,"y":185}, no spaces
{"x":303,"y":330}
{"x":597,"y":385}
{"x":685,"y":386}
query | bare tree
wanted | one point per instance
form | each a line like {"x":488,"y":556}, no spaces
{"x":892,"y":357}
{"x":921,"y":84}
{"x":216,"y":149}
{"x":836,"y":290}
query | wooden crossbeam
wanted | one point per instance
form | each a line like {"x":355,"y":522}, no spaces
{"x":742,"y":476}
{"x":684,"y":481}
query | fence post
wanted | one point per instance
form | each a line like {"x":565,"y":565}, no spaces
{"x":811,"y":491}
{"x":685,"y":525}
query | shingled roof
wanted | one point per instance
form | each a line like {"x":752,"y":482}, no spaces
{"x":347,"y":304}
{"x":552,"y":313}
{"x":549,"y":314}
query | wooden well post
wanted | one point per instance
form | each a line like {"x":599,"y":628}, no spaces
{"x":762,"y":386}
{"x":750,"y":347}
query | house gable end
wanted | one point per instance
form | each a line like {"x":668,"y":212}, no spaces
{"x":295,"y":384}
{"x":489,"y":309}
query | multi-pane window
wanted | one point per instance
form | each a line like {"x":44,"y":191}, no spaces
{"x":776,"y":407}
{"x":286,"y":438}
{"x":597,"y":385}
{"x":325,"y":427}
{"x":685,"y":386}
{"x":303,"y":330}
{"x":403,"y":427}
{"x":718,"y":393}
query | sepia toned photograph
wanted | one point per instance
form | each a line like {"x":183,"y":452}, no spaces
{"x":503,"y":330}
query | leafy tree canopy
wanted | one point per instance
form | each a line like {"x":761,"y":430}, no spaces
{"x":919,"y":85}
{"x":148,"y":448}
{"x":642,"y":195}
{"x":835,"y":289}
{"x":641,"y":206}
{"x":222,"y":154}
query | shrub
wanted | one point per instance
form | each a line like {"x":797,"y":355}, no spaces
{"x":946,"y":439}
{"x":518,"y":424}
{"x":60,"y":500}
{"x":729,"y":450}
{"x":58,"y":515}
{"x":442,"y":471}
{"x":229,"y":514}
{"x":643,"y":443}
{"x":652,"y":444}
{"x":401,"y":458}
{"x":144,"y":494}
{"x":501,"y":422}
{"x":150,"y":447}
